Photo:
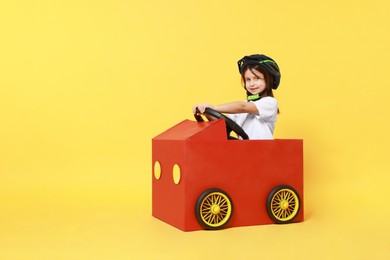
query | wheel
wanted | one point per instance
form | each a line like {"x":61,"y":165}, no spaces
{"x":231,"y":126}
{"x":283,"y":204}
{"x":213,"y":209}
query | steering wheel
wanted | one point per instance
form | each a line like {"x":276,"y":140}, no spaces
{"x":231,"y":126}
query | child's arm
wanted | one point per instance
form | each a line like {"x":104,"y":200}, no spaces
{"x":230,"y":108}
{"x":237,"y":107}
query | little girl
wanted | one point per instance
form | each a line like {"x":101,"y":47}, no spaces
{"x":256,"y":116}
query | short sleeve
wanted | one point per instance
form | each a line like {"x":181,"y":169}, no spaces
{"x":268,"y":108}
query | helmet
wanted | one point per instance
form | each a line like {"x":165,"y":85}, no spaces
{"x":265,"y":62}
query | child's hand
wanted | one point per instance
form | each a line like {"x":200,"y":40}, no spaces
{"x":200,"y":108}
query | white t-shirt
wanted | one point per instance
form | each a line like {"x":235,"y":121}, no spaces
{"x":259,"y":126}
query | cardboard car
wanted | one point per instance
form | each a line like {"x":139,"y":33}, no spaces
{"x":203,"y":179}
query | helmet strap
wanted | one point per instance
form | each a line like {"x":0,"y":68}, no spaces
{"x":254,"y":97}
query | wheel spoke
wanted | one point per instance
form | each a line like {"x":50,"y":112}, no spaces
{"x":277,"y":210}
{"x":205,"y":211}
{"x":207,"y":217}
{"x":286,"y":195}
{"x":224,"y":209}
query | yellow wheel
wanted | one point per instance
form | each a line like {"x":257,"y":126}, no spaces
{"x":283,"y":204}
{"x":213,"y":209}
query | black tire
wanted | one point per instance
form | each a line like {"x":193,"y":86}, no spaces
{"x":213,"y":209}
{"x":283,"y":204}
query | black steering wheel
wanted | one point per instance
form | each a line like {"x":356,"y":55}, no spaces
{"x":231,"y":126}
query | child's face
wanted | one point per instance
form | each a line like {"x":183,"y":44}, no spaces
{"x":254,"y":81}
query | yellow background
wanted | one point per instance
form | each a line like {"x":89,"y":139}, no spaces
{"x":85,"y":85}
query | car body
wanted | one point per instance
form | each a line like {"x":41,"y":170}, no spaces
{"x":202,"y":180}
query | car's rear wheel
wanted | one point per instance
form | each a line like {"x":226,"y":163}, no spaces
{"x":283,"y":204}
{"x":213,"y":209}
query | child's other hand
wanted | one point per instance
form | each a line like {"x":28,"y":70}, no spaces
{"x":201,"y":108}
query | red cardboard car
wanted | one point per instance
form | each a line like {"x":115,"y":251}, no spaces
{"x":204,"y":180}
